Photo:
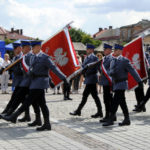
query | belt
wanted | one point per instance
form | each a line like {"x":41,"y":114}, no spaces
{"x":120,"y":80}
{"x":91,"y":73}
{"x":36,"y":76}
{"x":18,"y":74}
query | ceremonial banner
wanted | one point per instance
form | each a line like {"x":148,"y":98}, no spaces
{"x":135,"y":53}
{"x":61,"y":50}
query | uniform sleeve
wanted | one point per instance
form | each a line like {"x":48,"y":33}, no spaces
{"x":132,"y":71}
{"x":55,"y":69}
{"x":83,"y":64}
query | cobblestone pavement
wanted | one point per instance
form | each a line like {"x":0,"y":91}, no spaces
{"x":77,"y":133}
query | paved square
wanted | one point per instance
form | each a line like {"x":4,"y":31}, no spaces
{"x":77,"y":133}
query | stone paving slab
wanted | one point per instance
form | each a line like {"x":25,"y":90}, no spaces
{"x":20,"y":137}
{"x":68,"y":131}
{"x":135,"y":136}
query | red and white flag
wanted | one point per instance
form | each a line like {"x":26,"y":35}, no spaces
{"x":135,"y":53}
{"x":61,"y":50}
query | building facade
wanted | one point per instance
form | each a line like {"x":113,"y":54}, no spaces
{"x":13,"y":34}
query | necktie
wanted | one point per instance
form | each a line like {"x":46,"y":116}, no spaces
{"x":114,"y":62}
{"x":33,"y":58}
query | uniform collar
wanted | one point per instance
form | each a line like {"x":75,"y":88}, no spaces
{"x":90,"y":55}
{"x":120,"y":56}
{"x":19,"y":55}
{"x":107,"y":56}
{"x":38,"y":53}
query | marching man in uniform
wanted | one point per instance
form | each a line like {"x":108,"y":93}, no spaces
{"x":106,"y":81}
{"x":91,"y":79}
{"x":119,"y":68}
{"x":18,"y":77}
{"x":40,"y":65}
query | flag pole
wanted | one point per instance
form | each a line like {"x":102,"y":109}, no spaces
{"x":12,"y":64}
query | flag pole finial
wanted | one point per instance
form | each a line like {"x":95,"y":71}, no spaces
{"x":67,"y":25}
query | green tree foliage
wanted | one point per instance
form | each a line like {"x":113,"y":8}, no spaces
{"x":123,"y":43}
{"x":7,"y":41}
{"x":77,"y":35}
{"x":37,"y":39}
{"x":87,"y":39}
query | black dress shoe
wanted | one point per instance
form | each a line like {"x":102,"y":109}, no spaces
{"x":24,"y":119}
{"x":97,"y":115}
{"x":103,"y":120}
{"x":108,"y":123}
{"x":115,"y":118}
{"x":140,"y":109}
{"x":9,"y":118}
{"x":125,"y":122}
{"x":67,"y":98}
{"x":44,"y":127}
{"x":75,"y":113}
{"x":144,"y":109}
{"x":35,"y":123}
{"x":135,"y":109}
{"x":2,"y":115}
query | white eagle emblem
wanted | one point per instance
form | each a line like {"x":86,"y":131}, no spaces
{"x":60,"y":57}
{"x":136,"y":61}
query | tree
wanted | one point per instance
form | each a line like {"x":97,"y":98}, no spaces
{"x":77,"y":35}
{"x":87,"y":39}
{"x":7,"y":41}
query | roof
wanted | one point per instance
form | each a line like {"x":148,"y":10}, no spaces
{"x":98,"y":33}
{"x":79,"y":46}
{"x":2,"y":31}
{"x":99,"y":48}
{"x":16,"y":36}
{"x":142,"y":32}
{"x":142,"y":22}
{"x":109,"y":34}
{"x":13,"y":35}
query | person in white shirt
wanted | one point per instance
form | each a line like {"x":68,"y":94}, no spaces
{"x":5,"y":75}
{"x":1,"y":62}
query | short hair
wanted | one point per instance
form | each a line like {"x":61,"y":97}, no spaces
{"x":6,"y":54}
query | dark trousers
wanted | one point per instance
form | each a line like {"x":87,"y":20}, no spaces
{"x":90,"y":89}
{"x":13,"y":99}
{"x":108,"y":98}
{"x":147,"y":96}
{"x":66,"y":90}
{"x":139,"y":94}
{"x":76,"y":82}
{"x":20,"y":96}
{"x":37,"y":99}
{"x":119,"y":99}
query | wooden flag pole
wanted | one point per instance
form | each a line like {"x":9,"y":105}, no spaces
{"x":12,"y":64}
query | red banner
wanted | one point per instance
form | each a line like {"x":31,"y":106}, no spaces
{"x":135,"y":53}
{"x":61,"y":50}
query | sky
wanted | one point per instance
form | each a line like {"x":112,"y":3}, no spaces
{"x":43,"y":18}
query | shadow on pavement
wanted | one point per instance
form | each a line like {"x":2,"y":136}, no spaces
{"x":11,"y":131}
{"x":85,"y":126}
